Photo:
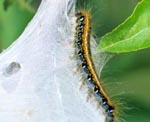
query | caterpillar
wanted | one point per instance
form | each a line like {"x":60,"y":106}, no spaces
{"x":82,"y":44}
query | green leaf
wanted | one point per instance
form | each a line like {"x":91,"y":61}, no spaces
{"x":131,"y":35}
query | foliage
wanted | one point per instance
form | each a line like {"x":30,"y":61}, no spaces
{"x":131,"y":35}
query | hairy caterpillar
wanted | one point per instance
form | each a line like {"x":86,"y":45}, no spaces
{"x":85,"y":61}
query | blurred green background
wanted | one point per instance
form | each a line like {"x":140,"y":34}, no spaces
{"x":126,"y":76}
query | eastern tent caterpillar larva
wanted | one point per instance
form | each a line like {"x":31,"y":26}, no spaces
{"x":84,"y":55}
